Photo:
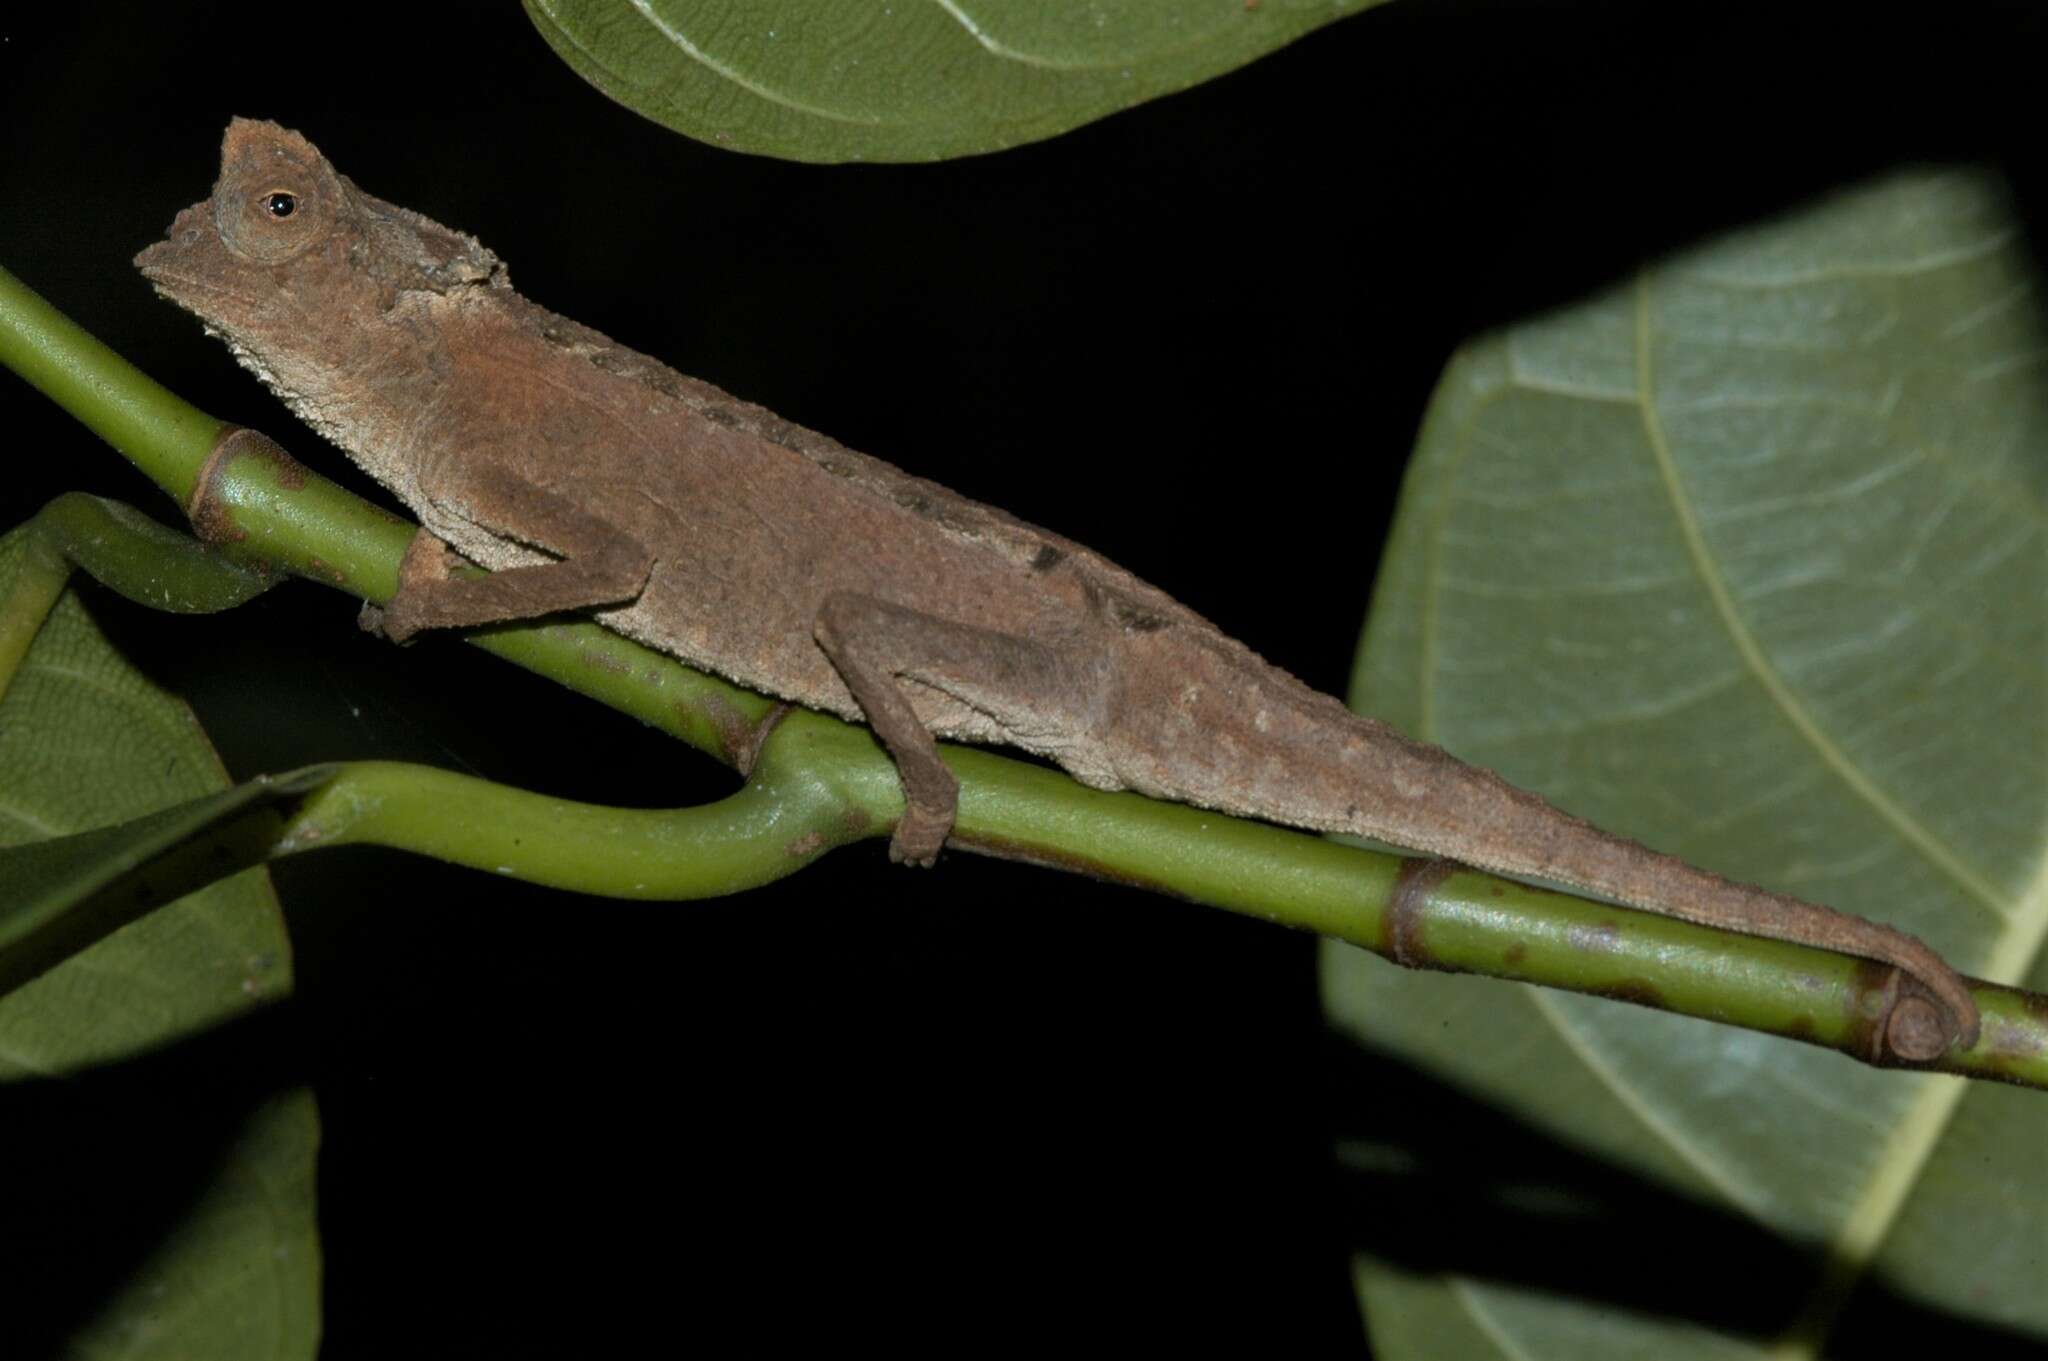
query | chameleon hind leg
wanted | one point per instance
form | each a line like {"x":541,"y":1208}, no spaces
{"x":1024,"y":684}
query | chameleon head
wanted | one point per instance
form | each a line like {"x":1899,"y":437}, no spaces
{"x":287,"y":251}
{"x":231,"y":258}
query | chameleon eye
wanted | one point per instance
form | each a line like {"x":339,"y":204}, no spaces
{"x":269,"y":224}
{"x":275,"y":198}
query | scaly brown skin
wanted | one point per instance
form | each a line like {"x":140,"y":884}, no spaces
{"x":589,"y":477}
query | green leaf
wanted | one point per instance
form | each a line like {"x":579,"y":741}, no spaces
{"x":858,"y":80}
{"x":65,"y":893}
{"x":1746,"y":559}
{"x":87,"y":741}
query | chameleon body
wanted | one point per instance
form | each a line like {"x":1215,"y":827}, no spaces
{"x":588,"y":476}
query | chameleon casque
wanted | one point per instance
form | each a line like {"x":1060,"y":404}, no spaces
{"x":590,"y":477}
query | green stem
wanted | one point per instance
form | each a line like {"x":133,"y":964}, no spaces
{"x":154,"y":428}
{"x":820,"y":784}
{"x":765,"y":831}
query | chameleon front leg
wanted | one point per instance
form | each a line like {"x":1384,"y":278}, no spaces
{"x":601,"y":564}
{"x":1023,"y":684}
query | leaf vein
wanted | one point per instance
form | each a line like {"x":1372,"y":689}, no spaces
{"x":1751,"y":651}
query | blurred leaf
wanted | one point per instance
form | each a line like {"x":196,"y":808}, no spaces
{"x":87,"y":741}
{"x":812,"y":80}
{"x":1746,"y":559}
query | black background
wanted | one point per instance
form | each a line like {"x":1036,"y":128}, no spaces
{"x":985,"y":1103}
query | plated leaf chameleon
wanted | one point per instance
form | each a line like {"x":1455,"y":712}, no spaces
{"x":590,"y":477}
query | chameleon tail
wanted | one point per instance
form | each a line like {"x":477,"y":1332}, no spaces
{"x":1227,"y":731}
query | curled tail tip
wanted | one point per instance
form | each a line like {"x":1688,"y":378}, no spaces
{"x":1947,"y":992}
{"x":1965,"y":1022}
{"x":1962,"y":1025}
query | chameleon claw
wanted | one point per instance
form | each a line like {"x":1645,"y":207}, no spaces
{"x":385,"y":623}
{"x":919,"y":835}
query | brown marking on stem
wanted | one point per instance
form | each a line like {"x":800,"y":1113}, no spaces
{"x":208,"y":510}
{"x":1639,"y":991}
{"x":809,"y":844}
{"x":209,"y":519}
{"x":1408,"y":911}
{"x":1516,"y":953}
